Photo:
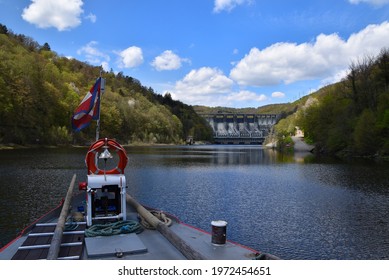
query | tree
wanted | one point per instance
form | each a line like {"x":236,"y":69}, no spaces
{"x":45,"y":47}
{"x":365,"y":134}
{"x":353,"y":115}
{"x":3,"y":29}
{"x":39,"y":91}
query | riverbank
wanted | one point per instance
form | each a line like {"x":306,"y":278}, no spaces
{"x":297,"y":144}
{"x":300,"y":145}
{"x":17,"y":146}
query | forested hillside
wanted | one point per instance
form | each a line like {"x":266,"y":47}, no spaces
{"x":284,"y":108}
{"x":350,"y":117}
{"x":39,"y":90}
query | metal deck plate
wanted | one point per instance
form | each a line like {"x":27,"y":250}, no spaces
{"x":106,"y":246}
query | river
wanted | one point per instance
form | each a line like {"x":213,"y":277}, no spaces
{"x":293,"y":206}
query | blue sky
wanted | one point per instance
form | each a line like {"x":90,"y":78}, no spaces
{"x":235,"y":53}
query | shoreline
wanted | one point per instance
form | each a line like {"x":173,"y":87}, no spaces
{"x":301,"y":146}
{"x":37,"y":146}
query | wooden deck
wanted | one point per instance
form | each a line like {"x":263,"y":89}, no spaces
{"x":37,"y":244}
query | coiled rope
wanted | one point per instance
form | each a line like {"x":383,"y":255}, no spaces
{"x":70,"y":224}
{"x":120,"y":227}
{"x":160,"y":215}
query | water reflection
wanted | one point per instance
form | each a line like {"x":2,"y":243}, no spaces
{"x":296,"y":206}
{"x":219,"y":155}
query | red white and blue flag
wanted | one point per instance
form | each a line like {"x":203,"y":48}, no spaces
{"x":89,"y":108}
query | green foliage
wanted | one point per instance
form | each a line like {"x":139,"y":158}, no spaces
{"x":285,"y":109}
{"x":286,"y":126}
{"x":366,"y":133}
{"x":58,"y":135}
{"x":285,"y":143}
{"x":192,"y":124}
{"x":352,"y":117}
{"x":3,"y":29}
{"x":40,"y":90}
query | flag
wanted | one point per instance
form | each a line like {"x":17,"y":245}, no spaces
{"x":89,"y":108}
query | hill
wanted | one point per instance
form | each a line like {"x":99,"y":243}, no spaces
{"x":39,"y":91}
{"x":268,"y":109}
{"x":350,"y":117}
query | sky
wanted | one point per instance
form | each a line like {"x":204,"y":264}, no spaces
{"x":232,"y":53}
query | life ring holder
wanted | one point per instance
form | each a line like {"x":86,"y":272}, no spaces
{"x":97,"y":147}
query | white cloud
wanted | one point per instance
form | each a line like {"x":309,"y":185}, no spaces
{"x":201,"y":85}
{"x":94,"y":56}
{"x":376,"y":3}
{"x":131,"y":57}
{"x":210,"y":87}
{"x":228,"y":5}
{"x":205,"y":80}
{"x":105,"y":66}
{"x":168,"y":60}
{"x":246,"y":95}
{"x":325,"y":57}
{"x":61,"y":14}
{"x":91,"y":17}
{"x":278,"y":94}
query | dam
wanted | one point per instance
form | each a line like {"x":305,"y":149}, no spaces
{"x":240,"y":129}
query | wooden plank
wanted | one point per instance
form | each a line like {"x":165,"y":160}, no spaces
{"x":74,"y":251}
{"x":56,"y":241}
{"x":42,"y":235}
{"x":40,"y":229}
{"x":34,"y":254}
{"x":20,"y":255}
{"x":36,"y":240}
{"x":43,"y":254}
{"x":52,"y":235}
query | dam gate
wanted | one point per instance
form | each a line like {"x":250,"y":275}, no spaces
{"x":241,"y":128}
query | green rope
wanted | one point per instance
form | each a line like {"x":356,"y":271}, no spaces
{"x":70,"y":224}
{"x":109,"y":229}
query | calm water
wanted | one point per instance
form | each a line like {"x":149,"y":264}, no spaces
{"x":295,"y":207}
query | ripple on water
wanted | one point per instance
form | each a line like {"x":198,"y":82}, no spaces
{"x":296,"y":210}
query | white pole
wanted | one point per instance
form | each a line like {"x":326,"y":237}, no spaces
{"x":102,"y":88}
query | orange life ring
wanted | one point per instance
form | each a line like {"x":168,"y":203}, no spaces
{"x":97,"y":147}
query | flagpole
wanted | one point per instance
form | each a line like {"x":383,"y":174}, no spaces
{"x":89,"y":108}
{"x":102,"y":86}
